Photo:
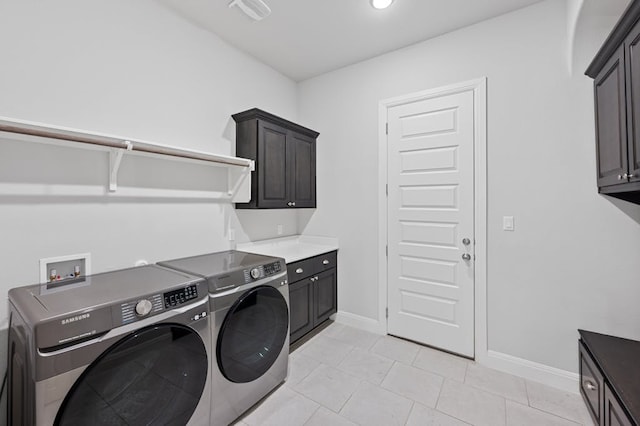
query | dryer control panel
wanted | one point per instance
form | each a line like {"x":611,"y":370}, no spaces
{"x":181,"y":296}
{"x":262,"y":271}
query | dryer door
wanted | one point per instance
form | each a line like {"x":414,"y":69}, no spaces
{"x":154,"y":376}
{"x":253,"y":334}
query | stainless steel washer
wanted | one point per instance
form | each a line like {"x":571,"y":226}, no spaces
{"x":249,"y":299}
{"x":130,"y":347}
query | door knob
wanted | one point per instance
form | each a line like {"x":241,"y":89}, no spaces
{"x":466,"y":256}
{"x":466,"y":241}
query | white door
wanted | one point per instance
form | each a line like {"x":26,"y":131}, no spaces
{"x":431,"y":217}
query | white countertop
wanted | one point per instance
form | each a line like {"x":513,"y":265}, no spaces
{"x":293,"y":248}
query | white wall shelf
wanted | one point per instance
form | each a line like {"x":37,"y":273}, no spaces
{"x":239,"y":169}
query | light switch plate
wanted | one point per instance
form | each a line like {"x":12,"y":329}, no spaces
{"x":508,"y":223}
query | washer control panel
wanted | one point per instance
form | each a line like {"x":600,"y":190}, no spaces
{"x":181,"y":296}
{"x":262,"y":271}
{"x":136,"y":309}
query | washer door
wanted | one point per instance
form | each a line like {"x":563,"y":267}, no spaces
{"x":154,"y":376}
{"x":253,"y":334}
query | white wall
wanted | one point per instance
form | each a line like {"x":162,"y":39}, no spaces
{"x":129,"y":68}
{"x":572,"y":261}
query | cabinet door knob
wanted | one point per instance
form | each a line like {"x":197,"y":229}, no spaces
{"x":289,"y":203}
{"x":325,"y":262}
{"x":620,"y":176}
{"x":299,"y":271}
{"x":293,"y":204}
{"x":589,"y":385}
{"x":466,"y":241}
{"x":466,"y":256}
{"x":630,"y":175}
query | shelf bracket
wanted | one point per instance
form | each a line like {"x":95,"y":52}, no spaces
{"x":239,"y":187}
{"x":115,"y":157}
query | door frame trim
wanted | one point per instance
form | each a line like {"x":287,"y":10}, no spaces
{"x":479,"y":89}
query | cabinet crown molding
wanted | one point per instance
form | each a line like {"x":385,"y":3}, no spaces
{"x":629,"y":18}
{"x":256,"y":113}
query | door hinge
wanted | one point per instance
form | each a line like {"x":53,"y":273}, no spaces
{"x":387,"y":190}
{"x":386,"y":312}
{"x":386,"y":128}
{"x":386,"y":250}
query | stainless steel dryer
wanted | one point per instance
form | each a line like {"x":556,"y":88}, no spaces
{"x":129,"y":347}
{"x":249,"y":299}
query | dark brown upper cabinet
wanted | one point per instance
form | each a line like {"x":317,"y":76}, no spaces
{"x":616,"y":74}
{"x":285,"y":156}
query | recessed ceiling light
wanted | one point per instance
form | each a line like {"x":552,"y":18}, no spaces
{"x":381,"y":4}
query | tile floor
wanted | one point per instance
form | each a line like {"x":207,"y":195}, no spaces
{"x":346,"y":376}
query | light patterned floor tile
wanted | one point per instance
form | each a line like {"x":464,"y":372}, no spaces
{"x":353,"y":336}
{"x":563,"y":404}
{"x":396,"y":349}
{"x":299,"y":367}
{"x":328,"y":386}
{"x":442,"y":363}
{"x":502,"y":384}
{"x":419,"y":385}
{"x":373,"y":406}
{"x":365,"y":365}
{"x":284,"y":406}
{"x":326,"y":350}
{"x":471,"y":405}
{"x":425,"y":416}
{"x":522,"y":415}
{"x":326,"y":417}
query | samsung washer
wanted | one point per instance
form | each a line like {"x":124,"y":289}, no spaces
{"x":129,"y":347}
{"x":249,"y":299}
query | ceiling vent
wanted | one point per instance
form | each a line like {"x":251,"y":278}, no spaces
{"x":254,"y":9}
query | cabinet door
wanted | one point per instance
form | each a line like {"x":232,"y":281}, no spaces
{"x":272,"y":166}
{"x":300,"y":309}
{"x":614,"y":414}
{"x":302,"y":168}
{"x":325,"y":296}
{"x":632,"y":52}
{"x":611,"y":126}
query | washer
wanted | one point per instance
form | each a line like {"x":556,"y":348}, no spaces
{"x":129,"y":347}
{"x":249,"y":298}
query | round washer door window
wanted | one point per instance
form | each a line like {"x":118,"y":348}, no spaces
{"x":154,"y":376}
{"x":252,"y":334}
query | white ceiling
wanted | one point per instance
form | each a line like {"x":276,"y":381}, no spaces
{"x":305,"y":38}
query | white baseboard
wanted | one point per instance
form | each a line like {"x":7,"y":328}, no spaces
{"x":550,"y":376}
{"x":358,"y":321}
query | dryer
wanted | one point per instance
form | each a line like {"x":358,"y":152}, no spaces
{"x":128,"y":347}
{"x":249,"y":299}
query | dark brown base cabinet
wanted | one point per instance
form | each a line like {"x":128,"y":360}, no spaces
{"x":285,"y":156}
{"x":616,"y":74}
{"x":313,"y":293}
{"x":610,"y":378}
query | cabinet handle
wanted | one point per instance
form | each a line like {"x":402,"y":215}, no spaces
{"x":312,"y":279}
{"x":630,"y":175}
{"x":289,"y":203}
{"x":589,"y":385}
{"x":299,"y":271}
{"x":325,"y":262}
{"x":293,"y":204}
{"x":620,"y":176}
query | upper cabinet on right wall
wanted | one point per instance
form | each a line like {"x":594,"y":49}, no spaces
{"x":285,"y":156}
{"x":616,"y":74}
